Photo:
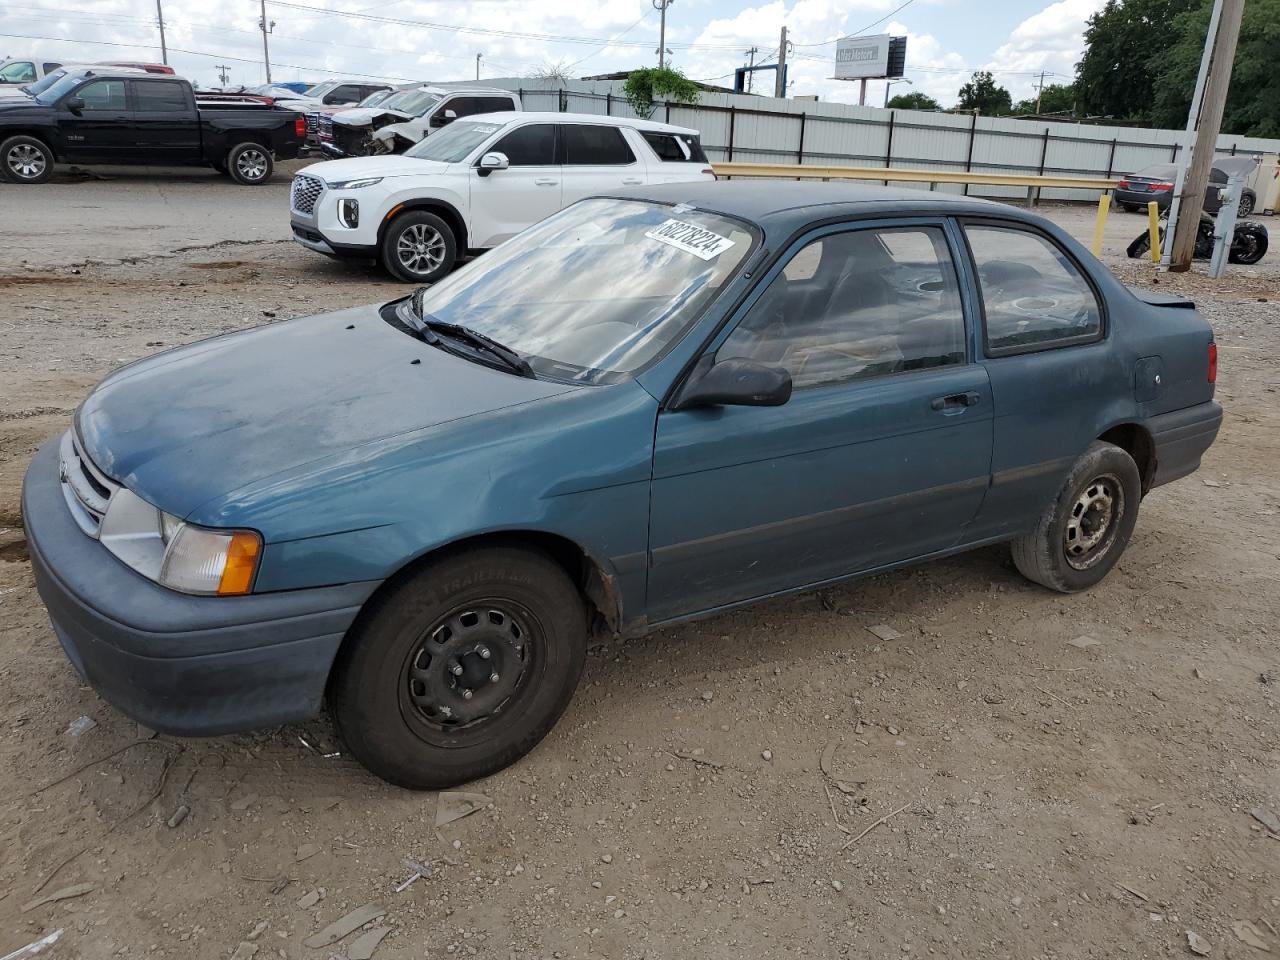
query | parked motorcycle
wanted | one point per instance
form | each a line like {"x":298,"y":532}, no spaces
{"x":1248,"y":245}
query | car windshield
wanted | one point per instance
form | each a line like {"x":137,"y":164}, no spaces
{"x":454,"y":142}
{"x":374,"y":98}
{"x":413,"y":102}
{"x":598,"y":290}
{"x":60,"y":88}
{"x":320,"y":89}
{"x":45,"y":82}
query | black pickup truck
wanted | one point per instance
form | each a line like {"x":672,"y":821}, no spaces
{"x":109,"y":115}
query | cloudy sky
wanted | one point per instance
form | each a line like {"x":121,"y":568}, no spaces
{"x":436,"y":40}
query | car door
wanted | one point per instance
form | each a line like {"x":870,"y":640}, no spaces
{"x":504,"y":202}
{"x":164,"y":118}
{"x":597,"y":159}
{"x":882,"y":453}
{"x":1053,"y":373}
{"x":101,"y":130}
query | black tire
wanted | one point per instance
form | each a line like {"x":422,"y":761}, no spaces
{"x":25,"y":159}
{"x":395,"y":691}
{"x":249,"y":164}
{"x":419,"y":247}
{"x":1247,"y":201}
{"x":1249,"y":246}
{"x":1061,"y":553}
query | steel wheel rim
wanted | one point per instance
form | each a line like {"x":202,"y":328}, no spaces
{"x":1093,"y":521}
{"x":468,"y":669}
{"x":252,"y":164}
{"x":26,"y":161}
{"x":420,"y":248}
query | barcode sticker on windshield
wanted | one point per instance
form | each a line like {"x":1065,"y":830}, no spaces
{"x":690,"y":238}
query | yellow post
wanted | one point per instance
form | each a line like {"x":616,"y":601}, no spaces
{"x":1104,"y":205}
{"x":1153,"y":226}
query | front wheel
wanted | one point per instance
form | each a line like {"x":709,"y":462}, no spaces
{"x":419,"y":247}
{"x":25,"y":159}
{"x":249,"y":164}
{"x":1081,"y":534}
{"x":1246,"y":205}
{"x":461,"y":668}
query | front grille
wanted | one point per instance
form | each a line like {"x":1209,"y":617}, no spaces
{"x":324,"y":128}
{"x":305,"y":192}
{"x":87,"y":490}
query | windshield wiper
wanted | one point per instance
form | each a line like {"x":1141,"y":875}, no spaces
{"x":430,"y":328}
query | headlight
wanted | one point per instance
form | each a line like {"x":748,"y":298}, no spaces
{"x":355,"y":184}
{"x":180,"y":556}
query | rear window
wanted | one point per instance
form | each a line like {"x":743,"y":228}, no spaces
{"x":591,"y":145}
{"x":675,"y":147}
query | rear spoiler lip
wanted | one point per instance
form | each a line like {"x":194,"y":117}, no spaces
{"x":1158,"y":298}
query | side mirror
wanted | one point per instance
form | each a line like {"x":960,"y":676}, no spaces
{"x":443,"y":117}
{"x":74,"y":104}
{"x":734,"y":382}
{"x":491,"y":162}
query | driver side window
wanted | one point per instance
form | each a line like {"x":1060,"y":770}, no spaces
{"x":1033,"y":296}
{"x":102,"y":95}
{"x":856,"y":305}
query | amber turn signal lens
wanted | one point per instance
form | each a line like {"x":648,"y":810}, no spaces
{"x":242,"y":561}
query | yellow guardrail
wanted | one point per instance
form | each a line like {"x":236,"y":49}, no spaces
{"x":810,"y":171}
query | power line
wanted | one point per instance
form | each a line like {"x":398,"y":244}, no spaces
{"x":484,"y":31}
{"x":611,"y":41}
{"x":859,"y":33}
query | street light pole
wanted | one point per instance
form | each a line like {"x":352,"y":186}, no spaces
{"x":890,"y":83}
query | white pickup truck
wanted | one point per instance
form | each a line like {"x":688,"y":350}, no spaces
{"x":479,"y":182}
{"x":406,"y":117}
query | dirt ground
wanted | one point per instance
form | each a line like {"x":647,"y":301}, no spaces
{"x":777,"y":782}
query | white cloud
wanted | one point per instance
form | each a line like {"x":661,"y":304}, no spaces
{"x":1051,"y":40}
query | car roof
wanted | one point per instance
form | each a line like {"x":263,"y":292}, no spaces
{"x":106,"y":70}
{"x":506,"y":116}
{"x":792,"y":203}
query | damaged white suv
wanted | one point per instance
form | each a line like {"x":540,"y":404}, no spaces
{"x":478,"y":182}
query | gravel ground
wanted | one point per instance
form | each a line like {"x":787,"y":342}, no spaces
{"x":775,"y":782}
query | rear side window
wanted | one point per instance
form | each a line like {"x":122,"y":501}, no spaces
{"x":666,"y":146}
{"x":159,"y":97}
{"x":50,"y":67}
{"x":103,"y":95}
{"x":1033,"y":295}
{"x":530,"y":146}
{"x":591,"y":145}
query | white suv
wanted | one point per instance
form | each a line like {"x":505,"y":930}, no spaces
{"x":478,"y":182}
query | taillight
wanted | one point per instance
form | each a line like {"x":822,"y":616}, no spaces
{"x":300,"y":126}
{"x":1161,"y":187}
{"x":1125,"y":185}
{"x":1213,"y":363}
{"x":710,"y":171}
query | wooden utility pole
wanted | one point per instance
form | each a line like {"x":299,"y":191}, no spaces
{"x":1217,"y":83}
{"x":661,"y":7}
{"x":780,"y":79}
{"x":164,"y":50}
{"x":266,"y":55}
{"x":1039,"y":91}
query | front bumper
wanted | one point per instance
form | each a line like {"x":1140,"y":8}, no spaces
{"x":1182,"y":437}
{"x":180,"y":664}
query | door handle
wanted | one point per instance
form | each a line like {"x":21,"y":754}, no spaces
{"x":632,"y":181}
{"x":545,"y":182}
{"x":956,"y":401}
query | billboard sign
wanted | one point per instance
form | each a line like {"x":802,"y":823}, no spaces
{"x":861,"y":58}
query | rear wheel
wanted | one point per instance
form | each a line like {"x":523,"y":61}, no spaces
{"x":419,"y":247}
{"x":461,"y":669}
{"x":1083,"y":532}
{"x":249,"y":164}
{"x":1249,"y":245}
{"x":25,"y":159}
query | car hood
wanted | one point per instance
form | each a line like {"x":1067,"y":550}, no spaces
{"x":196,"y":423}
{"x":20,"y":102}
{"x":363,"y":116}
{"x":356,"y":168}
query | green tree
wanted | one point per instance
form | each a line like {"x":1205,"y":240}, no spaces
{"x":1253,"y":102}
{"x":915,"y":100}
{"x":982,"y":93}
{"x":1125,"y":42}
{"x":644,"y":87}
{"x":1054,"y":98}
